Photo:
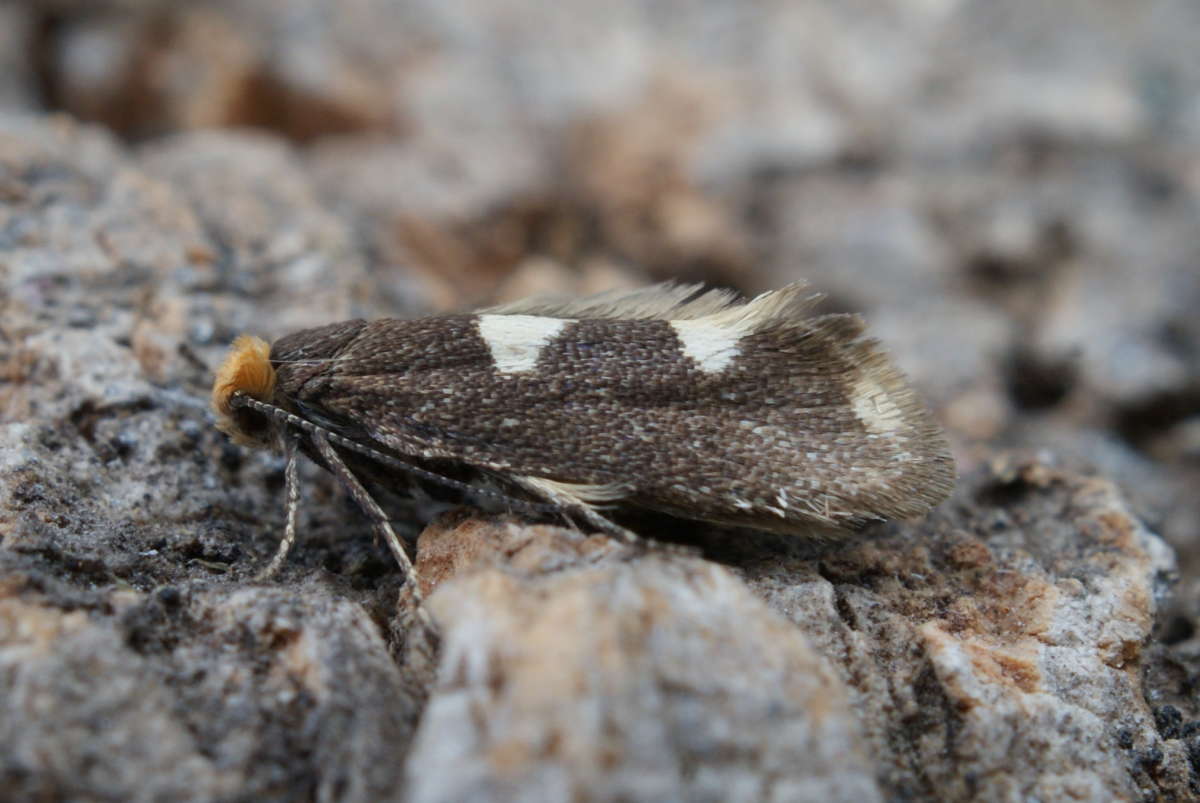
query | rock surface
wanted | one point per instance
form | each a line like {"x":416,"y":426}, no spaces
{"x":570,"y":669}
{"x":1009,"y":195}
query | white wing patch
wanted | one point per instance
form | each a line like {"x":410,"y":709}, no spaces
{"x":712,"y":347}
{"x":712,"y":340}
{"x":875,"y":408}
{"x":516,"y":340}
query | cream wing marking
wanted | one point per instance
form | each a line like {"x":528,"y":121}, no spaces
{"x":875,"y":408}
{"x":711,"y":347}
{"x":713,"y":340}
{"x":515,"y":341}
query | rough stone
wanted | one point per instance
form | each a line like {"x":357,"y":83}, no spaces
{"x":198,"y":693}
{"x":1005,"y":641}
{"x":571,"y":669}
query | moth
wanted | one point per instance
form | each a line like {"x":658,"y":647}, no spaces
{"x":697,"y":403}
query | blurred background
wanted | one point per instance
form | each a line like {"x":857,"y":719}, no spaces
{"x":1008,"y":191}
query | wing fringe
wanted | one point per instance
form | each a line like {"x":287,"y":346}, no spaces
{"x":669,"y":301}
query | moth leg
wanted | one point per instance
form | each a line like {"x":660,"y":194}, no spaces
{"x":292,"y":491}
{"x":410,"y":602}
{"x":604,"y":524}
{"x":364,"y":500}
{"x":561,"y":496}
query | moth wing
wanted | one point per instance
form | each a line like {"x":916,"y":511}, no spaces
{"x":838,"y":379}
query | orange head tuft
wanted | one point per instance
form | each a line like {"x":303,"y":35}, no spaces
{"x":246,"y":370}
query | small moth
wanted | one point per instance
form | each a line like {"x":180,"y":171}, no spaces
{"x":691,"y":402}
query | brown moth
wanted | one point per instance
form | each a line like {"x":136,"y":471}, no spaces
{"x":690,"y":402}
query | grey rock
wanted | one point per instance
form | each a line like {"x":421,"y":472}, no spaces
{"x":572,"y":670}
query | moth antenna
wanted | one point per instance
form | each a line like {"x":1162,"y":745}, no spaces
{"x":318,"y":361}
{"x":571,"y":504}
{"x":284,"y":418}
{"x":292,"y":491}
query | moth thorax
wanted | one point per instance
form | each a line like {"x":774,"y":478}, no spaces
{"x":247,"y":371}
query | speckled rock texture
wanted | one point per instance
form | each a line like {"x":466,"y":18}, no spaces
{"x":685,"y":685}
{"x":1008,"y":193}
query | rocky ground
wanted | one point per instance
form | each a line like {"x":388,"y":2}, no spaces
{"x":1009,"y":194}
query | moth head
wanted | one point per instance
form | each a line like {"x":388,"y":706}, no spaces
{"x":247,"y":371}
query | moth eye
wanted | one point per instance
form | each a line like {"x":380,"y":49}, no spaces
{"x":251,"y":423}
